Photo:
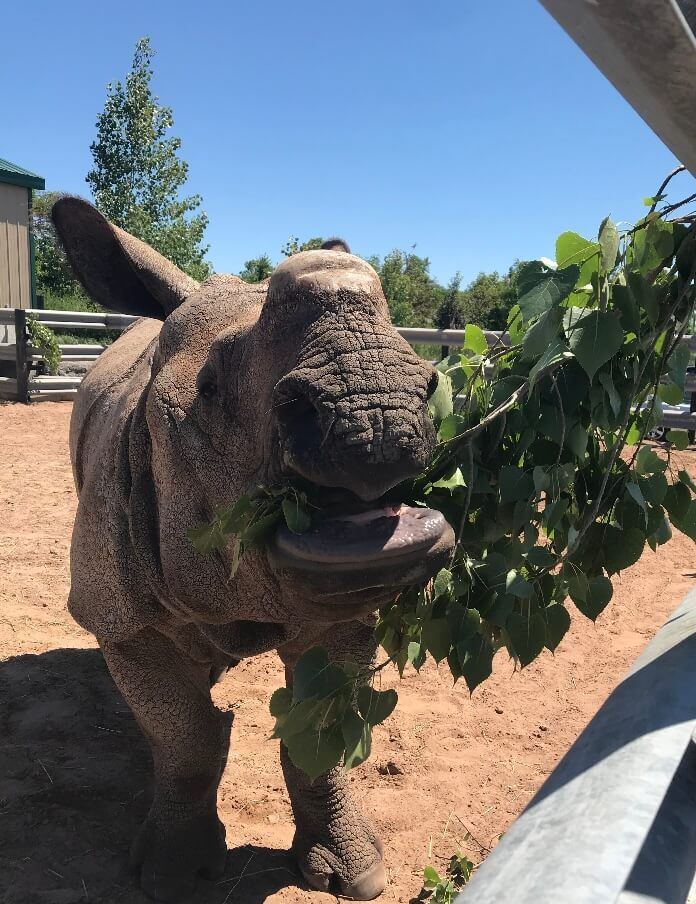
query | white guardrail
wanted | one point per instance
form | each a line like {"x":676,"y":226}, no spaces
{"x":21,"y":382}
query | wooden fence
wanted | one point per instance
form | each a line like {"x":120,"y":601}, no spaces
{"x":21,"y":378}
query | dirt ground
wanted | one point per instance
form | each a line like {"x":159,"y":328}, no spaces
{"x":74,"y":771}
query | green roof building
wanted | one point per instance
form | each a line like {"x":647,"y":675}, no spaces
{"x":17,"y":277}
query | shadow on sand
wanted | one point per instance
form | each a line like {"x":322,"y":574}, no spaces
{"x":73,"y":773}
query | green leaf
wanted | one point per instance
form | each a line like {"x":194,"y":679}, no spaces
{"x":679,"y":439}
{"x":541,"y":333}
{"x":554,"y":512}
{"x":280,"y":702}
{"x":644,"y":295}
{"x":477,"y":661}
{"x":442,"y":583}
{"x":315,"y":676}
{"x":647,"y":462}
{"x":578,"y":585}
{"x":515,"y":484}
{"x":557,"y":624}
{"x":686,"y":523}
{"x":556,"y":352}
{"x":677,"y":500}
{"x":316,"y":752}
{"x":614,"y":398}
{"x":654,"y":488}
{"x":652,"y":245}
{"x":430,"y":877}
{"x":541,"y":557}
{"x":685,"y":478}
{"x":572,"y":248}
{"x":376,"y":706}
{"x":630,"y":315}
{"x":670,"y":393}
{"x":623,"y":548}
{"x":451,"y":426}
{"x":527,"y":635}
{"x":300,"y":717}
{"x":475,"y":339}
{"x":599,"y":593}
{"x":541,"y":480}
{"x":296,"y":518}
{"x":206,"y":538}
{"x":596,"y":338}
{"x":440,"y":402}
{"x":357,"y":736}
{"x":677,"y":364}
{"x":517,"y":586}
{"x":234,"y":519}
{"x":540,"y":288}
{"x":256,"y":532}
{"x":609,"y":244}
{"x":436,"y":637}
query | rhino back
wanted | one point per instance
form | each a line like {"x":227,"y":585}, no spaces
{"x":107,"y":396}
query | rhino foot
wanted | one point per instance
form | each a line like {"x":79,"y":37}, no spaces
{"x":352,"y":869}
{"x":170,"y":860}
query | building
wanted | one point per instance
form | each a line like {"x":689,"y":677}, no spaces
{"x":17,"y":277}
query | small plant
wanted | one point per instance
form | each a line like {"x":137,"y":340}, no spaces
{"x":44,"y":339}
{"x":443,"y":890}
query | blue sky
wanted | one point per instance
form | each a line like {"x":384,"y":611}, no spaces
{"x":476,"y":131}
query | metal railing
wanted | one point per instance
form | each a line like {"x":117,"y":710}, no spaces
{"x":615,"y":822}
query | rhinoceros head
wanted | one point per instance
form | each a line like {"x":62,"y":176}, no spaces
{"x":302,"y":375}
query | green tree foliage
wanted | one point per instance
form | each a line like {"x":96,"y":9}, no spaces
{"x":412,"y":294}
{"x":137,"y":174}
{"x":293,"y":245}
{"x":257,"y":269}
{"x":487,"y":300}
{"x":54,"y":275}
{"x":449,"y":315}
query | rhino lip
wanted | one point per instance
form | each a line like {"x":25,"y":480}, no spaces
{"x":385,"y":535}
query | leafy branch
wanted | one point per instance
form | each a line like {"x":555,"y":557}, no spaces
{"x":532,"y":470}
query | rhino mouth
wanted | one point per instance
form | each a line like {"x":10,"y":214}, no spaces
{"x":354,"y":549}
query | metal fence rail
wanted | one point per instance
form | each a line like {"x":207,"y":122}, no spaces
{"x":615,"y":822}
{"x":25,"y":384}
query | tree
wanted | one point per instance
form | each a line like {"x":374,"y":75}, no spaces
{"x":257,"y":269}
{"x":448,"y":315}
{"x":487,"y":300}
{"x":412,"y":294}
{"x":53,"y":272}
{"x":137,"y":174}
{"x":293,"y":245}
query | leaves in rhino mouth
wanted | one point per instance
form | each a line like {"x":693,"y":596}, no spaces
{"x":252,"y":519}
{"x":540,"y":468}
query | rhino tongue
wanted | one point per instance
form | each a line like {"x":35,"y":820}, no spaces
{"x":381,"y":533}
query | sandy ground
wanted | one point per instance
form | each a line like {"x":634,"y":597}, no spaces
{"x":74,"y":771}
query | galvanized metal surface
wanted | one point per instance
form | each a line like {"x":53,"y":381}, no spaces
{"x":618,"y":814}
{"x":648,"y":51}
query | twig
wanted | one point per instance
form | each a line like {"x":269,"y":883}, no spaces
{"x":665,"y":183}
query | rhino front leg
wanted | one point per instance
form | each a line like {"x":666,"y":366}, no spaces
{"x":169,"y":695}
{"x":336,"y":847}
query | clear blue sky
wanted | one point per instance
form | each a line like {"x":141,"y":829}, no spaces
{"x":477,"y":131}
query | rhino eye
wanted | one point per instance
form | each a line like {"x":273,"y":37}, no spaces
{"x":208,"y":389}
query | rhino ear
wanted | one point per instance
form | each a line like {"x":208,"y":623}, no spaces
{"x":118,"y":271}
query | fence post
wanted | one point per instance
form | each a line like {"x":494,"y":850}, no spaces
{"x":20,"y":318}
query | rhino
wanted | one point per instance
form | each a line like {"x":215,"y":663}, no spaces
{"x":218,"y":388}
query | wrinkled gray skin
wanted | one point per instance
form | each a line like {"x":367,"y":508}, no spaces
{"x":226,"y":386}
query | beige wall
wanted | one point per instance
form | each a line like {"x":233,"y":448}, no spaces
{"x":15,"y":270}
